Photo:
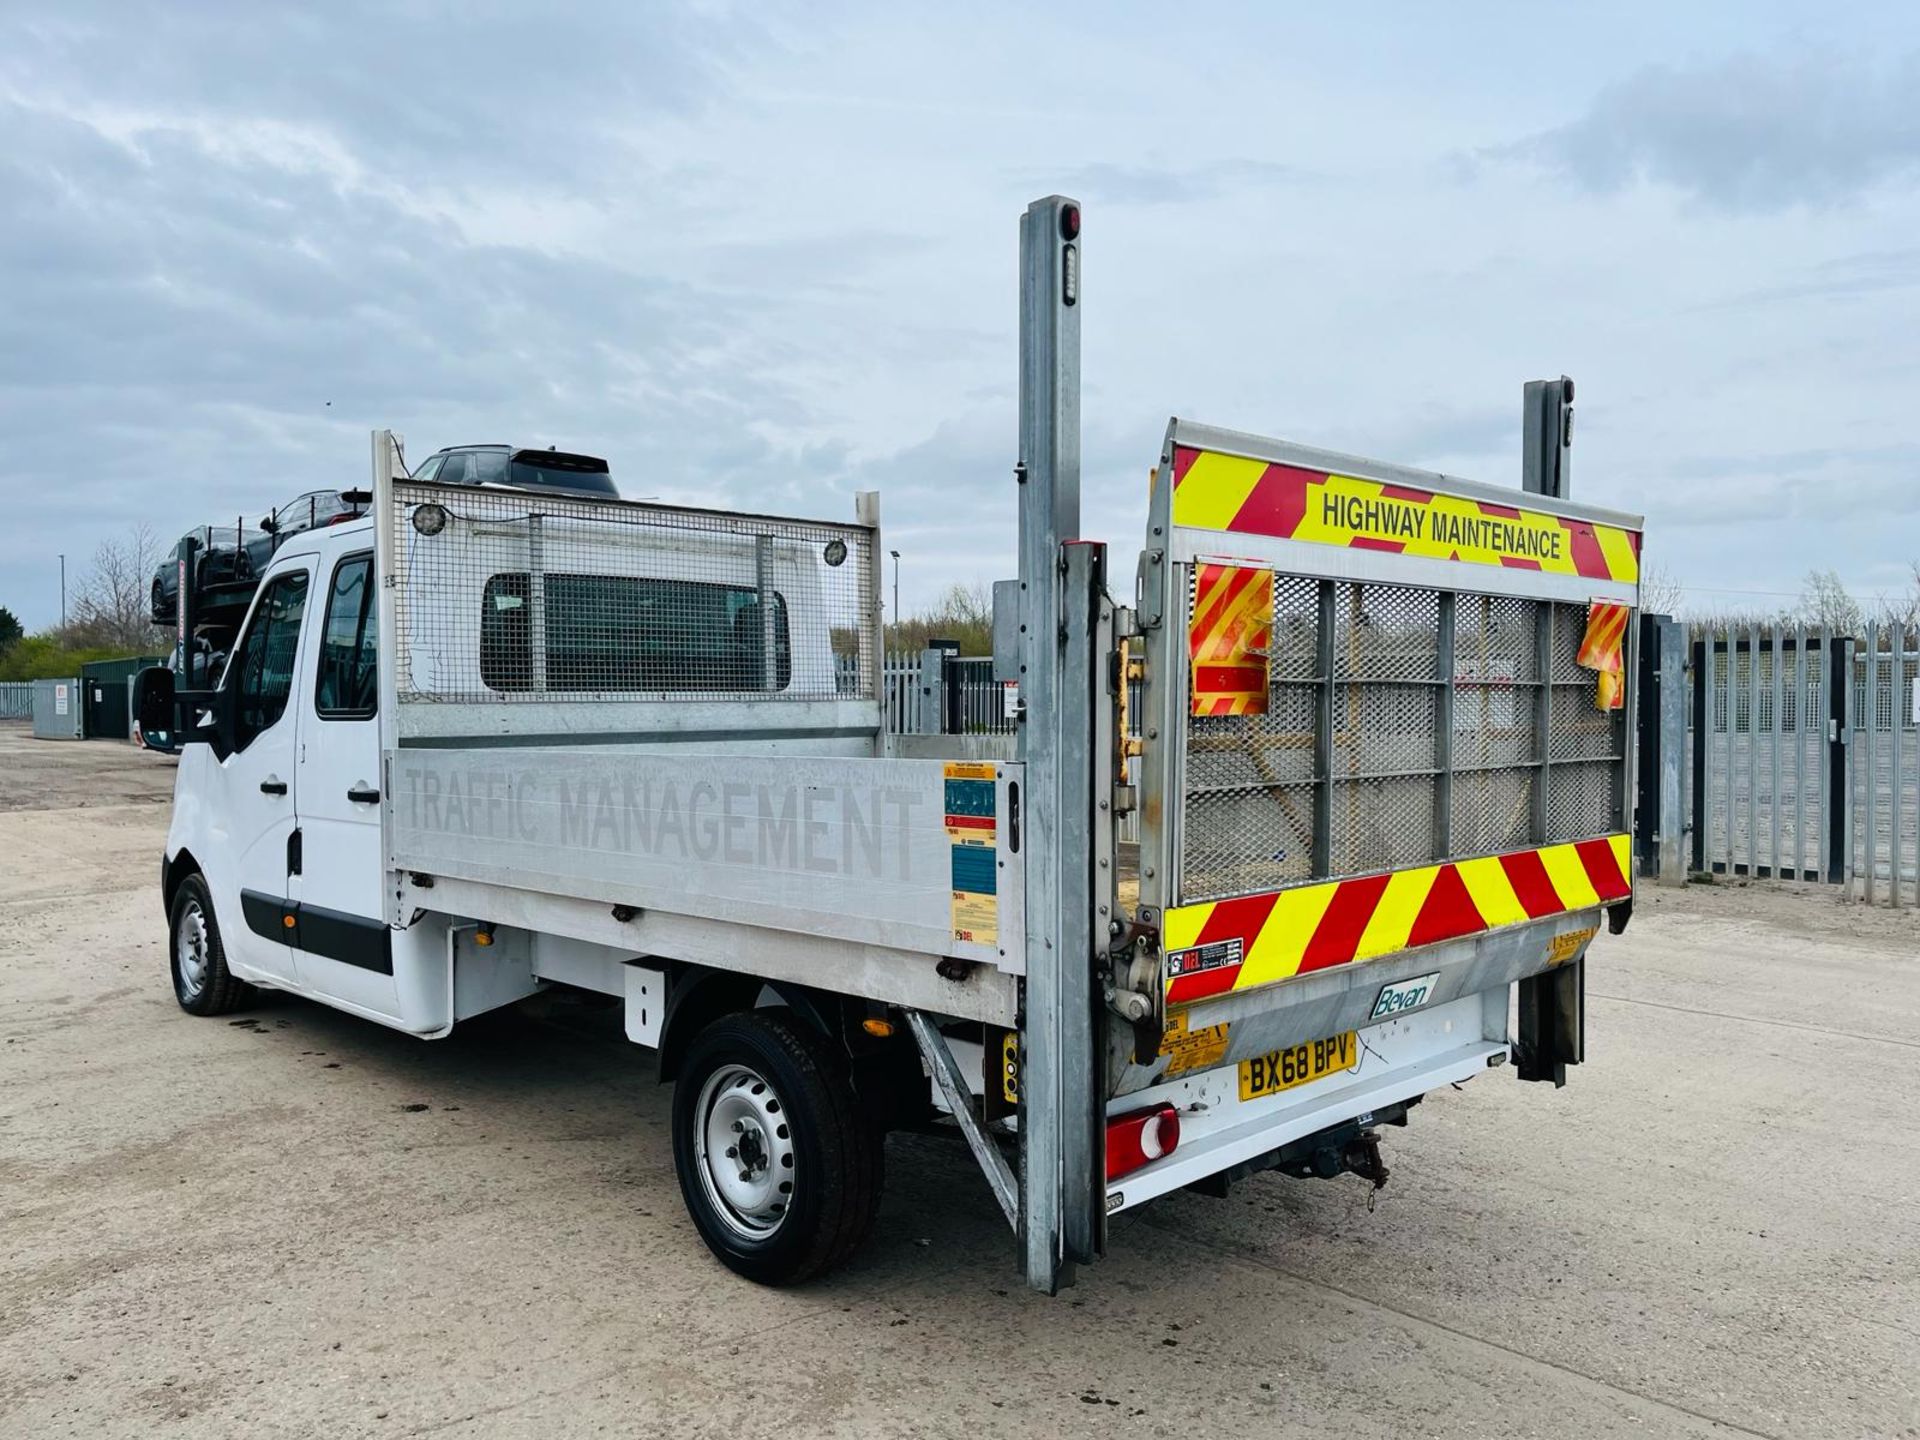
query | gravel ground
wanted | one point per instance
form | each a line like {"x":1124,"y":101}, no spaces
{"x":296,"y":1223}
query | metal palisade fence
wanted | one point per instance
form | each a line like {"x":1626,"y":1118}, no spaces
{"x":1802,"y":758}
{"x":16,"y":699}
{"x":929,"y":692}
{"x":1885,"y":765}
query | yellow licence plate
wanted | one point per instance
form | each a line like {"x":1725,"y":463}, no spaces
{"x":1300,"y":1064}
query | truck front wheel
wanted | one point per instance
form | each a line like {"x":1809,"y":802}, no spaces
{"x":779,"y":1166}
{"x":201,"y":981}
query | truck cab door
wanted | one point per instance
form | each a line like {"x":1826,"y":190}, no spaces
{"x":346,"y":948}
{"x":251,"y":799}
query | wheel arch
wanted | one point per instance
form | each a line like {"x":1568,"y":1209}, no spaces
{"x":172,"y":872}
{"x":697,"y":996}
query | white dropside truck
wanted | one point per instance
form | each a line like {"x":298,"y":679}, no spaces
{"x":482,"y":742}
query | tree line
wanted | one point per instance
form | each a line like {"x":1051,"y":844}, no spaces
{"x":1824,"y":600}
{"x":109,"y":615}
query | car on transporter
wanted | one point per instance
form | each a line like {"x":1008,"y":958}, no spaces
{"x":522,"y":469}
{"x":232,"y":558}
{"x":223,"y":577}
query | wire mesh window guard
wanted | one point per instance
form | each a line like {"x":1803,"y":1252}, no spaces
{"x":1403,"y":726}
{"x":511,"y":597}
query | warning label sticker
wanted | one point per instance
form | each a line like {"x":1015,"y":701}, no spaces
{"x":973,"y":825}
{"x":1205,"y":957}
{"x":1189,"y":1049}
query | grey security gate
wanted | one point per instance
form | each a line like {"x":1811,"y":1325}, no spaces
{"x":57,"y":711}
{"x":1769,"y":754}
{"x":1884,"y":857}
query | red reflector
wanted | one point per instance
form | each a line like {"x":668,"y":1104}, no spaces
{"x":1070,"y":222}
{"x":1141,"y":1138}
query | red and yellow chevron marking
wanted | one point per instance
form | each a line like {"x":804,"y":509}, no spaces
{"x":1232,"y":613}
{"x":1238,"y":944}
{"x":1212,"y":491}
{"x":1601,"y":646}
{"x":1602,"y":649}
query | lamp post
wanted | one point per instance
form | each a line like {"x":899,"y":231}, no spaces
{"x":896,"y":585}
{"x":63,"y":592}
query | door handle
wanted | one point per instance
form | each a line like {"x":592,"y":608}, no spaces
{"x":363,"y":795}
{"x":273,"y":787}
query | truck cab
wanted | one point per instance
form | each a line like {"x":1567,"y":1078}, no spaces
{"x":277,"y":812}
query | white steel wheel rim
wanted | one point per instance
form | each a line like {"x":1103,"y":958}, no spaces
{"x":745,"y":1157}
{"x":190,"y":948}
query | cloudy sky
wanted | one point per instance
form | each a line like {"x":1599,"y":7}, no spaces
{"x":765,"y":255}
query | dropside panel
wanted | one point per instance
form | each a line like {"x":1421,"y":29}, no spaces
{"x":914,"y":855}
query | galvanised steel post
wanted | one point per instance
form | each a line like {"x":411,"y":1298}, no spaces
{"x":1732,"y":724}
{"x":1058,"y":1082}
{"x":1869,"y":776}
{"x":1753,"y":750}
{"x":1702,"y":757}
{"x":1896,"y":785}
{"x":1800,"y":753}
{"x":1775,"y":655}
{"x":1671,"y":856}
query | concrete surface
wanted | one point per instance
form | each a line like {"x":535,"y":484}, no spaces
{"x":298,"y":1224}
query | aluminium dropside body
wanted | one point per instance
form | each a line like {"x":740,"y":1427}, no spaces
{"x":1425,"y":817}
{"x":639,"y":749}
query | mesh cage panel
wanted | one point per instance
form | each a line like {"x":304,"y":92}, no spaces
{"x":1493,"y":725}
{"x":1251,"y":782}
{"x":1569,"y":629}
{"x":1382,"y":729}
{"x":1496,"y":672}
{"x":1492,"y":811}
{"x":1249,"y":750}
{"x":1381,"y":825}
{"x":1241,"y":841}
{"x":1386,"y":632}
{"x":1494,"y":640}
{"x":1576,"y":728}
{"x":1293,"y":642}
{"x":1580,"y":800}
{"x":522,"y":596}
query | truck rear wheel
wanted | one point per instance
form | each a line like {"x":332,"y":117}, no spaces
{"x":201,"y":981}
{"x":779,"y":1166}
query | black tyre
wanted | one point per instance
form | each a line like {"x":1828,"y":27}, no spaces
{"x":201,"y":981}
{"x":779,"y":1166}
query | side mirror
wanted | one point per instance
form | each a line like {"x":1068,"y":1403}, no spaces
{"x":267,"y":525}
{"x":154,"y":707}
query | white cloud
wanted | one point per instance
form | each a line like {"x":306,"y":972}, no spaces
{"x":1748,"y":132}
{"x":767,"y":258}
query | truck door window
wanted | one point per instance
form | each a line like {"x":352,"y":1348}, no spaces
{"x":262,"y":664}
{"x":347,"y":686}
{"x":627,"y":633}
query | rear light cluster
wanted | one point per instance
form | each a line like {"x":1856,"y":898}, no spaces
{"x":1140,"y":1139}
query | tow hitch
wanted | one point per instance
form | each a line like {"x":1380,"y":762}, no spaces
{"x":1341,"y":1150}
{"x":1362,"y":1157}
{"x":1349,"y":1148}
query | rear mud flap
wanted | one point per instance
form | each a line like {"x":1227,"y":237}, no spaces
{"x":1553,"y":1023}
